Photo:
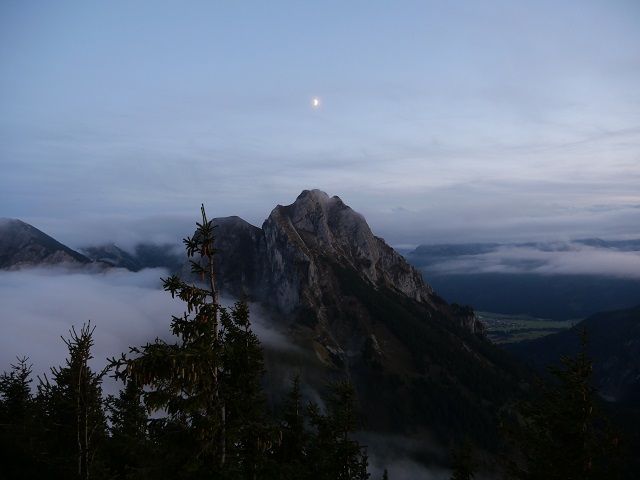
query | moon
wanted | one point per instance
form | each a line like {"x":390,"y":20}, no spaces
{"x":315,"y":102}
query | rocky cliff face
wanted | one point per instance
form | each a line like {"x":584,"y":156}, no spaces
{"x":22,"y":245}
{"x":295,"y":240}
{"x":305,"y":241}
{"x":316,"y":227}
{"x":296,"y":264}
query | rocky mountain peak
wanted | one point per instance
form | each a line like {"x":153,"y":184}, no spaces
{"x":318,"y":224}
{"x":316,"y":261}
{"x":331,"y":225}
{"x":303,"y":239}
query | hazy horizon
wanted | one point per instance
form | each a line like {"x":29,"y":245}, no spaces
{"x":127,"y":233}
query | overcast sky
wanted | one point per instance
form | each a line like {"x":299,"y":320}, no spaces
{"x":438,"y":120}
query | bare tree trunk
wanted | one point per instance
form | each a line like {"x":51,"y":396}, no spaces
{"x":83,"y":423}
{"x":79,"y":427}
{"x":214,"y":295}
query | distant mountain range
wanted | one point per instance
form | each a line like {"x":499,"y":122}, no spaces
{"x":144,"y":255}
{"x":24,"y":246}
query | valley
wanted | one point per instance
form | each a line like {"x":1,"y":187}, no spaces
{"x":503,"y":328}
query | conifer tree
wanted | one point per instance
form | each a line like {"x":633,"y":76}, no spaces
{"x":207,"y":382}
{"x":250,"y":435}
{"x":333,"y":453}
{"x":72,"y":412}
{"x":17,"y":427}
{"x":130,"y":447}
{"x":292,"y":451}
{"x":565,"y":436}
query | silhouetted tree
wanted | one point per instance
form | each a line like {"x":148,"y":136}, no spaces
{"x":72,"y":410}
{"x":18,"y":428}
{"x":462,"y":462}
{"x":333,"y":454}
{"x":130,"y":447}
{"x":207,"y":382}
{"x":291,"y":453}
{"x":250,"y":435}
{"x":564,"y":435}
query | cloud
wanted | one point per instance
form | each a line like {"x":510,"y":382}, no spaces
{"x":550,"y":259}
{"x":496,"y":211}
{"x":126,"y":231}
{"x":398,"y":455}
{"x":41,"y":305}
{"x":128,"y":309}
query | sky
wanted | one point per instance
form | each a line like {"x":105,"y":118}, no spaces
{"x":439,"y":121}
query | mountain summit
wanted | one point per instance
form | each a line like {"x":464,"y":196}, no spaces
{"x":299,"y":261}
{"x":316,"y":230}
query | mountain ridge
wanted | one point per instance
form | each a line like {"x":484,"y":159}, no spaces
{"x":614,"y":344}
{"x":23,"y":245}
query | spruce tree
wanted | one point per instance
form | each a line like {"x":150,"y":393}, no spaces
{"x":71,"y":410}
{"x":131,"y":453}
{"x":250,"y":435}
{"x":18,"y":429}
{"x":292,"y":450}
{"x":333,"y":454}
{"x":206,"y":383}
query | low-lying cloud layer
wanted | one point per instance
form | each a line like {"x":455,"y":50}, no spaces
{"x":128,"y":309}
{"x":561,"y":259}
